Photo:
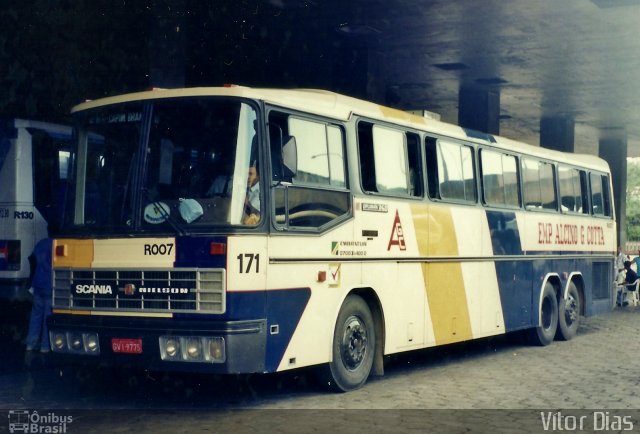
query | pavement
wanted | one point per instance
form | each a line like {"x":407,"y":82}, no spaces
{"x":499,"y":384}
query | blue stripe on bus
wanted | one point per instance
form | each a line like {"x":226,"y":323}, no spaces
{"x":505,"y":235}
{"x":514,"y":277}
{"x":196,"y":252}
{"x":283,"y":308}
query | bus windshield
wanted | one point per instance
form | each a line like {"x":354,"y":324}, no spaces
{"x":164,"y":166}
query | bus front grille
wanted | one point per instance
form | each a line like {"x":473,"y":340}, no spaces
{"x":149,"y":290}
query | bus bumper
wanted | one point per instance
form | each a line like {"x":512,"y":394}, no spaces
{"x":137,"y":344}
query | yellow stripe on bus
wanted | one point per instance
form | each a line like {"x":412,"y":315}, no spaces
{"x":72,"y":253}
{"x":443,"y":281}
{"x":109,"y":313}
{"x":72,"y":312}
{"x":139,"y":314}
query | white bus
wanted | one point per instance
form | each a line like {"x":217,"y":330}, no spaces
{"x":33,"y":171}
{"x":369,"y":232}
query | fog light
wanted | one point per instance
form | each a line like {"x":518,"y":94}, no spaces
{"x":193,"y":348}
{"x":58,"y":341}
{"x":91,"y":342}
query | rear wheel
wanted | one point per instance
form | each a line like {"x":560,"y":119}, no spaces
{"x":544,"y":333}
{"x":569,"y":314}
{"x":353,"y":346}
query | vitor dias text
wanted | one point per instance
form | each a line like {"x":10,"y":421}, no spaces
{"x":597,"y":421}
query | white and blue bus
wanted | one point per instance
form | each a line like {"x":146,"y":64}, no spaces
{"x":240,"y":230}
{"x":33,"y":172}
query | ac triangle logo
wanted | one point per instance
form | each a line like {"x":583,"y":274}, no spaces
{"x":397,"y":235}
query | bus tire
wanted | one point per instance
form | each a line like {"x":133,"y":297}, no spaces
{"x":353,"y":346}
{"x":568,"y":314}
{"x":544,"y":333}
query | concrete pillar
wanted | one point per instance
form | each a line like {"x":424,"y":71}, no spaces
{"x":614,"y":151}
{"x":557,"y":133}
{"x":479,"y":109}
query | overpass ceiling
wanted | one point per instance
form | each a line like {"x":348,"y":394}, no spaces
{"x":548,"y":58}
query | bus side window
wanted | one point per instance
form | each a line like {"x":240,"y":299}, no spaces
{"x":432,"y":167}
{"x":600,"y":198}
{"x":538,"y":184}
{"x":499,"y":179}
{"x":367,"y":165}
{"x":415,"y":165}
{"x":451,"y":173}
{"x":316,"y":195}
{"x":389,"y":160}
{"x":572,"y":190}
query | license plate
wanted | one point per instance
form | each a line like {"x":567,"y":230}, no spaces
{"x":127,"y":346}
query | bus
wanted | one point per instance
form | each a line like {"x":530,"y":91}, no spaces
{"x":33,"y":171}
{"x":346,"y":232}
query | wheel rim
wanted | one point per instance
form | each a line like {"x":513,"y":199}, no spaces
{"x":547,"y":313}
{"x":354,"y":343}
{"x":571,"y":309}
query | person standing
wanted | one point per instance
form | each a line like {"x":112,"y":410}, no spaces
{"x":41,"y":274}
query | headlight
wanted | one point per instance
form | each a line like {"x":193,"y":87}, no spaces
{"x":58,"y":341}
{"x":172,"y":347}
{"x":192,"y":349}
{"x":74,"y":342}
{"x":214,"y":352}
{"x":91,"y":342}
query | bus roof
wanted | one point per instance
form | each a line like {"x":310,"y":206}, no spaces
{"x":342,"y":107}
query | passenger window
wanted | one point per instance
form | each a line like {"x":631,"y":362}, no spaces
{"x":389,"y":160}
{"x":450,"y":168}
{"x":600,"y":196}
{"x":538,"y":185}
{"x":499,"y":179}
{"x":572,"y":190}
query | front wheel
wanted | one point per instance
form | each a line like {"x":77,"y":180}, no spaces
{"x":569,"y":314}
{"x":353,"y":346}
{"x":544,"y":333}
